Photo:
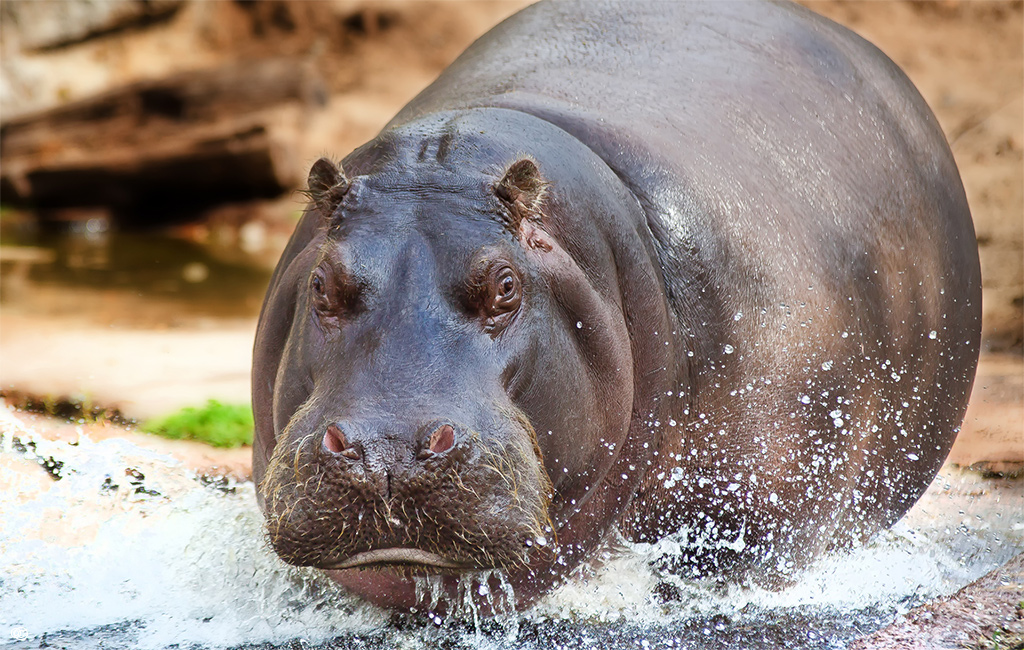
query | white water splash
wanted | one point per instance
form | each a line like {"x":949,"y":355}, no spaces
{"x":187,"y":565}
{"x":128,"y":537}
{"x":950,"y":538}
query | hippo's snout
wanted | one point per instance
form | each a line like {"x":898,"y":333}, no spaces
{"x":437,"y":494}
{"x":365,"y":454}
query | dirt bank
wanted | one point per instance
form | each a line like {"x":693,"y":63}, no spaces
{"x":986,"y":614}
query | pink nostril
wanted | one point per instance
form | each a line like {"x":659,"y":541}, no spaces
{"x":442,"y":440}
{"x":337,"y":443}
{"x":335,"y":439}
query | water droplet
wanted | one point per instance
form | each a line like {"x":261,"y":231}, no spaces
{"x":933,"y":334}
{"x":579,"y":325}
{"x":729,"y":349}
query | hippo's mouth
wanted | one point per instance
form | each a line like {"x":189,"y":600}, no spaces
{"x":402,"y":556}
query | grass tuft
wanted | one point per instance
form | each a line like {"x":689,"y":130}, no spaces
{"x":217,"y":424}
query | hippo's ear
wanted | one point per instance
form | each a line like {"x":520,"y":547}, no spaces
{"x":327,"y":186}
{"x":521,"y":190}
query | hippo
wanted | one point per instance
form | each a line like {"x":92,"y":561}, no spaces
{"x":699,"y":271}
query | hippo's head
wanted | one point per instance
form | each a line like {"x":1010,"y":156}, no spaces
{"x":443,"y":373}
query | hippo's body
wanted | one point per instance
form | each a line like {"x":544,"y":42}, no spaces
{"x":693,"y":269}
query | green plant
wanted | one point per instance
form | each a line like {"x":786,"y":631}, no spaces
{"x":217,"y":424}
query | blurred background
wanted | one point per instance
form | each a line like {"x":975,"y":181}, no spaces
{"x":150,"y":153}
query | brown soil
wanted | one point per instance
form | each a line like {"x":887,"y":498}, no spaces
{"x":992,"y":436}
{"x":199,"y":457}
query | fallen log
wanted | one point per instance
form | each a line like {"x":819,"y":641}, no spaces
{"x":189,"y":140}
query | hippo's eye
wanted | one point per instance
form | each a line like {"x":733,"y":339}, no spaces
{"x":318,"y":286}
{"x":507,"y":287}
{"x":494,"y":293}
{"x":323,"y":293}
{"x":333,"y":294}
{"x":507,"y":291}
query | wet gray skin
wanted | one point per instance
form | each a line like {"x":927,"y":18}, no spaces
{"x":703,"y":269}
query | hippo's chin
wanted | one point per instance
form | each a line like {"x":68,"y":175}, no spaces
{"x":401,"y":557}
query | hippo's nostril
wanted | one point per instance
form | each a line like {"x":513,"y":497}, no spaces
{"x":337,"y":443}
{"x":442,"y":439}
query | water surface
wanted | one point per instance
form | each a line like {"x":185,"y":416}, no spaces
{"x":138,"y":279}
{"x":130,"y":549}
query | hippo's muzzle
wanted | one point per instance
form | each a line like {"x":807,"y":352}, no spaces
{"x":446,"y":498}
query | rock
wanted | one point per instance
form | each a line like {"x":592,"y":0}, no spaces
{"x":48,"y":24}
{"x":190,"y":139}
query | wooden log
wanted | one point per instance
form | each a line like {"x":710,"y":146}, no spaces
{"x":188,"y":140}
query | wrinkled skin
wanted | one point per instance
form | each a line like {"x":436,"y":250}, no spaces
{"x":702,"y":270}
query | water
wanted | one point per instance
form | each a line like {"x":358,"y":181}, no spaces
{"x":130,"y":549}
{"x":139,"y":279}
